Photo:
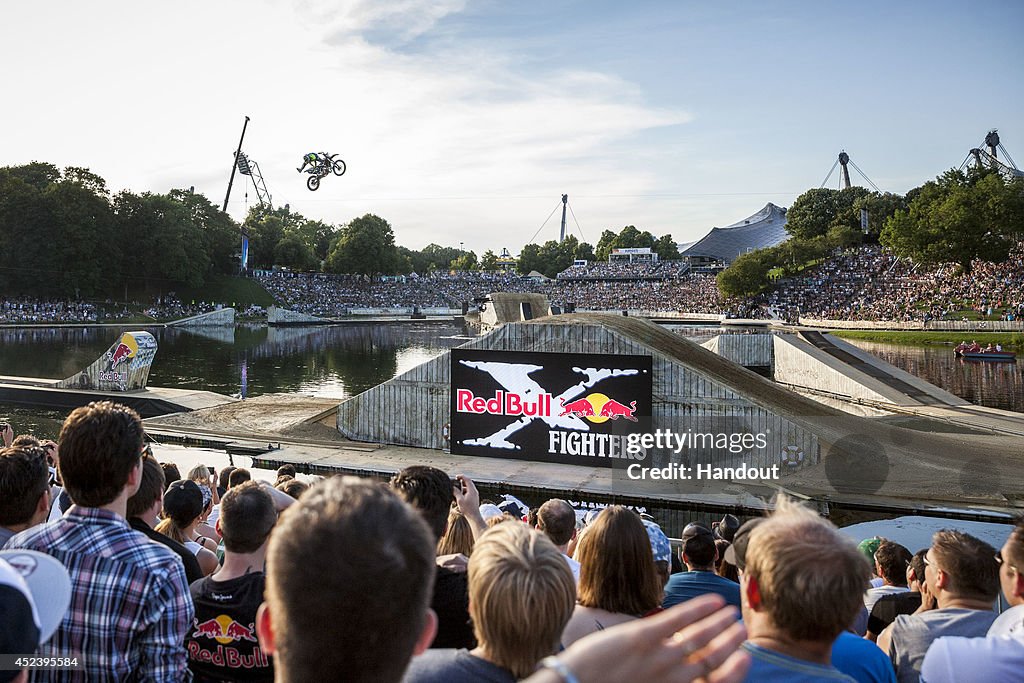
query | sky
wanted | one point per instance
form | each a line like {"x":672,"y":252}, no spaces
{"x":462,"y":122}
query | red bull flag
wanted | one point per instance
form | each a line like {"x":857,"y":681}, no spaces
{"x":552,"y":407}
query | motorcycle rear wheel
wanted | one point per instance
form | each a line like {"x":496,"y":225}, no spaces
{"x":313,"y":182}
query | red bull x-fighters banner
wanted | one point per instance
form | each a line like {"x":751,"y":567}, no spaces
{"x":553,"y":407}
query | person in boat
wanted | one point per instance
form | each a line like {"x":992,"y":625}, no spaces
{"x":975,"y":347}
{"x":989,"y":348}
{"x":999,"y":348}
{"x":960,"y":348}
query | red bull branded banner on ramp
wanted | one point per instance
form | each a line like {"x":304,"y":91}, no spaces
{"x":566,"y":408}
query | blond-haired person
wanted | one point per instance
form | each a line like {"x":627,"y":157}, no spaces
{"x":521,"y":594}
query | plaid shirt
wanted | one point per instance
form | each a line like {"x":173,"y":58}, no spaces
{"x":130,"y":604}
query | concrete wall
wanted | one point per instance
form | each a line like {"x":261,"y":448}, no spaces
{"x":749,"y":350}
{"x":223,"y":316}
{"x":803,"y":365}
{"x":278,"y":316}
{"x":405,"y":310}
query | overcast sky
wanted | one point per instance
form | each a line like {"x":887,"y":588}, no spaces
{"x":465,"y":121}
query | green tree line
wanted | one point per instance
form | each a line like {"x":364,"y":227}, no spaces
{"x":62,"y":233}
{"x":961,"y":216}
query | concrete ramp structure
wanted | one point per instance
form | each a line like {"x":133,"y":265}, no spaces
{"x":219,"y":317}
{"x":822,"y":453}
{"x":282,"y":316}
{"x":509,"y":307}
{"x":124,"y":367}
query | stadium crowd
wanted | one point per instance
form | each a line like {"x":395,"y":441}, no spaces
{"x":869,"y":283}
{"x":332,"y":296}
{"x":221,"y":577}
{"x":864,"y":283}
{"x":625,"y":270}
{"x":32,"y":310}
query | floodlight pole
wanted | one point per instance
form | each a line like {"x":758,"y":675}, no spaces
{"x":561,"y":236}
{"x":234,"y":165}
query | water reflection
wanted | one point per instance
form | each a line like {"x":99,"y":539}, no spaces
{"x":334,"y":361}
{"x":985,"y":383}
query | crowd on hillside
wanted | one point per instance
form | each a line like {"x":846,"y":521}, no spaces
{"x":33,"y":310}
{"x":221,"y":577}
{"x":869,"y":283}
{"x":625,"y":270}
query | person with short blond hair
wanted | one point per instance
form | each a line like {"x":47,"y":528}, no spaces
{"x":521,"y":594}
{"x":619,"y":581}
{"x":802,"y":584}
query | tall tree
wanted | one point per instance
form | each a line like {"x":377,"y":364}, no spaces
{"x":959,"y":217}
{"x":605,"y":245}
{"x":365,"y":246}
{"x":489,"y":261}
{"x":667,"y":249}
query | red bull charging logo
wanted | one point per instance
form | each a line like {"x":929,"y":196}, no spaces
{"x":224,"y":630}
{"x":126,"y":349}
{"x":598,"y":408}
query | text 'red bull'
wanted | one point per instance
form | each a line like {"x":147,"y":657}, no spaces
{"x":503,"y":403}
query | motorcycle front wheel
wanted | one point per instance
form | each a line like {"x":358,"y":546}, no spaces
{"x":339,"y":167}
{"x":313,"y":182}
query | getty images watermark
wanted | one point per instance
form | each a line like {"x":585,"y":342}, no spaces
{"x":665,"y":440}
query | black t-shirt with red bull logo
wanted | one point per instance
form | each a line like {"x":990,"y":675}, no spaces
{"x":221,"y":643}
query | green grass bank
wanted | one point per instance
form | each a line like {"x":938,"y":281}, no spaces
{"x":922,"y":337}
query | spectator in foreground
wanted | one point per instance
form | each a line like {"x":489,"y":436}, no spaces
{"x":661,"y":550}
{"x":239,"y":475}
{"x":430,"y":491}
{"x":183,"y":510}
{"x":293,"y":487}
{"x":222,"y":644}
{"x":366,"y":618}
{"x":521,"y":594}
{"x":35,"y":592}
{"x":24,"y":490}
{"x":382,"y":629}
{"x":144,"y":512}
{"x":618,"y":579}
{"x":458,"y":536}
{"x":791,"y":632}
{"x":557,"y":520}
{"x":891,"y":562}
{"x":1000,"y":655}
{"x":117,"y":575}
{"x":699,"y":554}
{"x":888,"y":607}
{"x":962,"y":574}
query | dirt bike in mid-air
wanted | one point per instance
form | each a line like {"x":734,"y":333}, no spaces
{"x":325,"y":165}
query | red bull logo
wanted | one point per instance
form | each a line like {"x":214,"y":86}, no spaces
{"x":503,"y":403}
{"x":126,"y":349}
{"x":598,"y":408}
{"x":224,"y":630}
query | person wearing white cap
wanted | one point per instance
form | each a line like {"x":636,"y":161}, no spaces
{"x":35,"y":592}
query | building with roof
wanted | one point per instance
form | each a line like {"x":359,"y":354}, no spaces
{"x":766,"y":228}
